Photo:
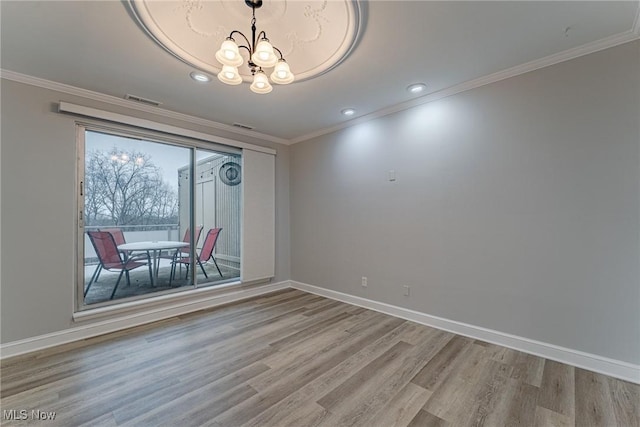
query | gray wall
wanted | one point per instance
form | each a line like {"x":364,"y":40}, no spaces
{"x":38,"y":208}
{"x":516,"y":206}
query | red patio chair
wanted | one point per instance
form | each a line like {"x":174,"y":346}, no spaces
{"x":110,"y":259}
{"x":187,"y":239}
{"x":118,"y":235}
{"x":118,"y":238}
{"x":184,"y":252}
{"x":205,"y":254}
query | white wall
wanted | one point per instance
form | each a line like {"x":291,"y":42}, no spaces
{"x":38,"y":208}
{"x":516,"y":206}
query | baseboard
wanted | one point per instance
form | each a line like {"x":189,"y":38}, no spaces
{"x":611,"y":367}
{"x":142,"y":317}
{"x":614,"y":368}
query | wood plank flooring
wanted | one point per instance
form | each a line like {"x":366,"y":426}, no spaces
{"x":296,"y":359}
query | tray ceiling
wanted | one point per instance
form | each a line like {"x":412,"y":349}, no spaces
{"x":313,"y":36}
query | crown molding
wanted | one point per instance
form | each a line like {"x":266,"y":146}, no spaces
{"x":586,"y":49}
{"x":120,"y":102}
{"x":598,"y":45}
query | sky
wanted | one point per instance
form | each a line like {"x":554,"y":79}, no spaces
{"x":168,"y":157}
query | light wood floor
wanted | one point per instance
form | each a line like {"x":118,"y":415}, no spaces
{"x":295,"y":359}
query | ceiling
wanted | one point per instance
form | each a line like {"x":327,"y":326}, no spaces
{"x":312,"y":36}
{"x":100,"y":46}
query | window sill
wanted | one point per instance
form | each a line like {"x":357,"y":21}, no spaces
{"x":174,"y":301}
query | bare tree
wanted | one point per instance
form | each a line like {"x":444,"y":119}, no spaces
{"x":127,"y":188}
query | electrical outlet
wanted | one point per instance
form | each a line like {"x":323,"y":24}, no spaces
{"x":407,"y":290}
{"x":364,"y":282}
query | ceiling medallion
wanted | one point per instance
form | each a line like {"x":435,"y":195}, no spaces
{"x":313,"y":35}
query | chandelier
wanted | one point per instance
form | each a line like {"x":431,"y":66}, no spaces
{"x":261,"y":55}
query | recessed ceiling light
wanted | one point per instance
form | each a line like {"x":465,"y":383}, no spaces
{"x":417,"y":88}
{"x":348,"y":111}
{"x":199,"y":77}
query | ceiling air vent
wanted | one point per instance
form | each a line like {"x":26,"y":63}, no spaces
{"x":142,"y":100}
{"x":240,"y":125}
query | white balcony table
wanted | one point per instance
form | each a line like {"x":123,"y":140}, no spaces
{"x":154,"y":248}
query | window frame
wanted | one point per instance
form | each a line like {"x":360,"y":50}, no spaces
{"x":150,"y":135}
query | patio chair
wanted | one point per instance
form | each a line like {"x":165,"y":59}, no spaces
{"x":187,"y":239}
{"x":205,"y":254}
{"x":184,"y":252}
{"x":110,"y":259}
{"x":118,"y":238}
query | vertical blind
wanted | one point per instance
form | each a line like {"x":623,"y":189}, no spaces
{"x":258,"y":216}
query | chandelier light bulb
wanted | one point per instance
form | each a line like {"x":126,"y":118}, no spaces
{"x":282,"y":75}
{"x":229,"y":75}
{"x":229,"y":53}
{"x":264,"y":55}
{"x":260,"y":83}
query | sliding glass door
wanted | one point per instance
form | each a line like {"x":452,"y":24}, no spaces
{"x":155,"y":216}
{"x":218,"y":195}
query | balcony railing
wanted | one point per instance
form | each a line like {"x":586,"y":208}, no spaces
{"x":152,"y":233}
